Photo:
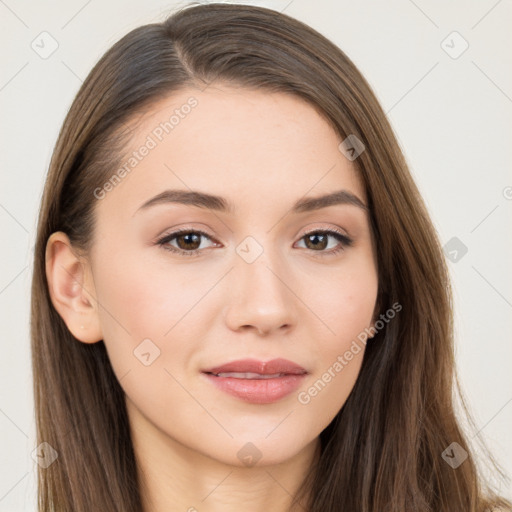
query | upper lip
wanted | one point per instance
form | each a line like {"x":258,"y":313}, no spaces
{"x":273,"y":366}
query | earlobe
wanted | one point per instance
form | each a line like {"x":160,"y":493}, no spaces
{"x":71,"y":289}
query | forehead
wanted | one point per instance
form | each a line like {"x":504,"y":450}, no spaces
{"x":234,"y":142}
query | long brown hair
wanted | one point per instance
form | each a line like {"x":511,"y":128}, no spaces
{"x":382,"y":452}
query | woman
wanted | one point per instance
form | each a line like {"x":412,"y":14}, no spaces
{"x":239,"y":301}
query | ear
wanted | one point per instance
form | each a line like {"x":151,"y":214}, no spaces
{"x":72,"y":289}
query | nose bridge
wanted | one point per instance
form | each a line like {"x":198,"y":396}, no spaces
{"x":261,"y":296}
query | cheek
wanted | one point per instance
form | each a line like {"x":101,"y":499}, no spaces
{"x":147,"y":299}
{"x":140,"y":302}
{"x":343,"y":299}
{"x":345,"y":304}
{"x":337,"y":363}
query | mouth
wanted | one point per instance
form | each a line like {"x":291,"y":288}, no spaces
{"x":257,"y":382}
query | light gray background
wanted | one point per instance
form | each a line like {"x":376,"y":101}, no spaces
{"x":451,"y":115}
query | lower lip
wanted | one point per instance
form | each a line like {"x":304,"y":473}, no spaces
{"x":258,"y":391}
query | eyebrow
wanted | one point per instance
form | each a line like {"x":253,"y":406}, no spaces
{"x":217,"y":203}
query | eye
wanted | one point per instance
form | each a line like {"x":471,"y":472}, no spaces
{"x":318,"y":240}
{"x":188,"y":241}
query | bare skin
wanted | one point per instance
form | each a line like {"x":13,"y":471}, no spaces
{"x":262,"y":152}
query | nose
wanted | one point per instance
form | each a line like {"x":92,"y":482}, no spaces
{"x":261,"y":297}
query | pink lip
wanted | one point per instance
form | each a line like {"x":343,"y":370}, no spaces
{"x":258,"y":391}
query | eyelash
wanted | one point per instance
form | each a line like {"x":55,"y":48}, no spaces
{"x":344,"y":240}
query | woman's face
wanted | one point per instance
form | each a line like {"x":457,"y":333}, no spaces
{"x":248,"y":282}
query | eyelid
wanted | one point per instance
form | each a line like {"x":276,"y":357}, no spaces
{"x":336,"y":229}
